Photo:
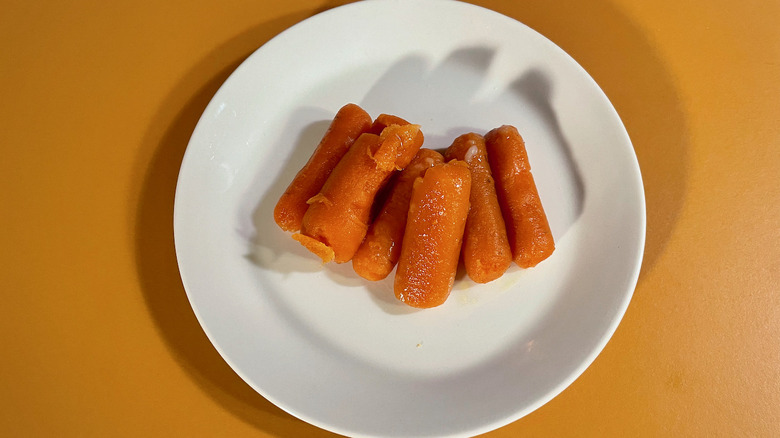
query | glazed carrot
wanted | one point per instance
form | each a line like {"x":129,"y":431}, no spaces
{"x":384,"y":120}
{"x":486,"y":253}
{"x":434,"y":230}
{"x":380,"y":123}
{"x":337,"y":219}
{"x":379,"y":252}
{"x":526,"y":223}
{"x":346,"y":127}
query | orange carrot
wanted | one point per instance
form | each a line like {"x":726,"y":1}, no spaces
{"x":379,"y":252}
{"x":385,"y":120}
{"x":486,"y":252}
{"x":526,"y":223}
{"x":337,"y":219}
{"x":346,"y":127}
{"x":434,"y":230}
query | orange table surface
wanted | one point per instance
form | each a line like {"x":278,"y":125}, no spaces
{"x":99,"y":100}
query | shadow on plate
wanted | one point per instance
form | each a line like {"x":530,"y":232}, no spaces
{"x":450,"y":90}
{"x":642,"y":91}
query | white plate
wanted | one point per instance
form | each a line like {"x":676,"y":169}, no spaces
{"x":342,"y":353}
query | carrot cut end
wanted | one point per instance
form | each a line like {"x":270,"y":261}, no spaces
{"x":322,"y":250}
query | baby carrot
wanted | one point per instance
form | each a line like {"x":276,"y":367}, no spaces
{"x":486,"y":252}
{"x":379,"y":252}
{"x":384,"y":120}
{"x":526,"y":223}
{"x":346,"y":127}
{"x":337,"y":219}
{"x":434,"y":230}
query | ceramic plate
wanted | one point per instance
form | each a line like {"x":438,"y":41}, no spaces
{"x":342,"y":353}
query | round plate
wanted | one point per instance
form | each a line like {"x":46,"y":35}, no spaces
{"x":342,"y":353}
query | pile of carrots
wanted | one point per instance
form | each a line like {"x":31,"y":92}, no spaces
{"x":371,"y":194}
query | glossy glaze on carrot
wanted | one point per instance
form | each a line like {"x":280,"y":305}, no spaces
{"x":338,"y":215}
{"x":486,"y":252}
{"x":526,"y":222}
{"x":436,"y":220}
{"x":378,"y":254}
{"x":350,"y":121}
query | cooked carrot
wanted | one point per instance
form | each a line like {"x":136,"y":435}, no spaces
{"x":380,"y":123}
{"x":526,"y":223}
{"x":379,"y":252}
{"x":486,"y":253}
{"x":384,"y":120}
{"x":346,"y":127}
{"x":338,"y":215}
{"x":434,"y":231}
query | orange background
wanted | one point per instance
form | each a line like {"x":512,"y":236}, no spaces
{"x":99,"y":100}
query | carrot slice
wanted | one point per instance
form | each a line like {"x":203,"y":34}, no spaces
{"x":338,"y":215}
{"x":486,"y":253}
{"x":526,"y":223}
{"x":346,"y":127}
{"x":434,"y":231}
{"x":377,"y":255}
